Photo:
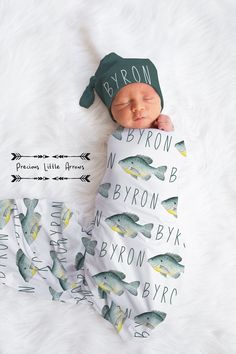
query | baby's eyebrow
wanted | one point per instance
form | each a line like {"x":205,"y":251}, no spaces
{"x":121,"y":101}
{"x":148,"y":93}
{"x":119,"y":104}
{"x":127,"y":99}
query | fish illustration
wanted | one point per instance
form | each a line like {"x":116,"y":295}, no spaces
{"x":6,"y":208}
{"x":26,"y":267}
{"x":30,"y":221}
{"x":139,"y":166}
{"x":112,"y":281}
{"x":60,"y":273}
{"x":167,"y":264}
{"x":67,"y":284}
{"x":79,"y":260}
{"x":118,"y":133}
{"x":55,"y":294}
{"x":115,"y":315}
{"x":102,"y":294}
{"x":150,"y":319}
{"x":125,"y":224}
{"x":89,"y":245}
{"x":103,"y":189}
{"x":171,"y":205}
{"x":66,"y":215}
{"x":57,"y":268}
{"x":180,"y":146}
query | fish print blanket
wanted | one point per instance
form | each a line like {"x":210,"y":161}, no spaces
{"x":136,"y":270}
{"x":129,"y":262}
{"x":41,"y":242}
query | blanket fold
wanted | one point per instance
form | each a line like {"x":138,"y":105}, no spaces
{"x":129,"y":263}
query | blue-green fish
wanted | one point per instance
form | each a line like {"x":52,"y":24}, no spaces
{"x":171,"y":205}
{"x":118,"y":133}
{"x":26,"y":267}
{"x":60,"y":272}
{"x":30,"y":221}
{"x":6,"y":208}
{"x":89,"y":245}
{"x":180,"y":146}
{"x":112,"y":281}
{"x":115,"y":315}
{"x":125,"y":224}
{"x":139,"y":166}
{"x":66,"y":215}
{"x":67,"y":284}
{"x":55,"y":294}
{"x":103,"y":189}
{"x":79,"y":260}
{"x":150,"y":319}
{"x":167,"y":264}
{"x":57,"y":268}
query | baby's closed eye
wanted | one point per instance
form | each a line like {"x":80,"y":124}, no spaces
{"x":148,"y":98}
{"x":121,"y":103}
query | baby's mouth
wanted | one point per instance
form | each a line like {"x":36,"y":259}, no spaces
{"x":138,"y":118}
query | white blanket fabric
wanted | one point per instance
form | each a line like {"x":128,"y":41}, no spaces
{"x":135,"y":272}
{"x":47,"y":253}
{"x":48,"y":51}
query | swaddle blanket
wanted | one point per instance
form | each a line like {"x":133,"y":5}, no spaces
{"x":40,"y":242}
{"x":138,"y":262}
{"x":129,"y":262}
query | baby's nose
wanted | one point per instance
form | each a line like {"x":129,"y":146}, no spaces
{"x":136,"y":107}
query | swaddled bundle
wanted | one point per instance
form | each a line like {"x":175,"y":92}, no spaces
{"x":135,"y":270}
{"x":130,"y":269}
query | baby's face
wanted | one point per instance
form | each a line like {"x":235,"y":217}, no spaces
{"x":136,"y":105}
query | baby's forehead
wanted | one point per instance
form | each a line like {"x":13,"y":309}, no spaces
{"x":135,"y":88}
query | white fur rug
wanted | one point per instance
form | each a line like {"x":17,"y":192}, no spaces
{"x":48,"y":51}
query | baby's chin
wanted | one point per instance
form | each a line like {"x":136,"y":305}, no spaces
{"x":143,"y":123}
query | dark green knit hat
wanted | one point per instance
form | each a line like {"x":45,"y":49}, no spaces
{"x":115,"y":72}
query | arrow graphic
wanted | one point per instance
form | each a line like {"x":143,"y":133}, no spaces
{"x":17,"y":178}
{"x":17,"y":156}
{"x":83,"y":156}
{"x":83,"y":178}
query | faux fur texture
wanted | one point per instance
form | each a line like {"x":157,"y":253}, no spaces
{"x":48,"y":51}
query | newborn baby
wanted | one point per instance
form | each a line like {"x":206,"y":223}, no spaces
{"x":135,"y":268}
{"x":138,"y":105}
{"x":130,"y":266}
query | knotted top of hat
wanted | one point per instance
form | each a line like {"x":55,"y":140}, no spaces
{"x":115,"y":72}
